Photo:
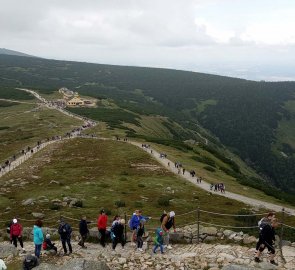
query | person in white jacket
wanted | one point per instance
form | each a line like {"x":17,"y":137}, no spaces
{"x":2,"y":265}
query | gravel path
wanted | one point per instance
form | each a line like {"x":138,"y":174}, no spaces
{"x":206,"y":186}
{"x":164,"y":161}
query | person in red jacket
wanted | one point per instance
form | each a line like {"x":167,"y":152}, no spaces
{"x":16,"y":230}
{"x":102,"y":226}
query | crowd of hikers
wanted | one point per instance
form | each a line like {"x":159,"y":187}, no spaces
{"x":6,"y":166}
{"x":218,"y":187}
{"x":116,"y":234}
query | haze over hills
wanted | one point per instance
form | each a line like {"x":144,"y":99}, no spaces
{"x":255,"y":120}
{"x":11,"y":52}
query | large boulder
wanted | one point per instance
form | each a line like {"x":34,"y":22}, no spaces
{"x":288,"y":253}
{"x":75,"y":264}
{"x":237,"y":267}
{"x":29,"y":201}
{"x":176,"y":237}
{"x":7,"y":249}
{"x":208,"y":230}
{"x":249,"y":240}
{"x":38,"y":215}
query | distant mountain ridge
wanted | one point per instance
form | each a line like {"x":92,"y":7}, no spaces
{"x":254,"y":120}
{"x":11,"y":52}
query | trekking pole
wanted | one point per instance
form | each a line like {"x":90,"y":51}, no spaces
{"x":125,"y":228}
{"x":198,"y":222}
{"x":282,"y":227}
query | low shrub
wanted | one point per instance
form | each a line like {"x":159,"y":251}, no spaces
{"x":164,"y":201}
{"x":120,"y":203}
{"x":78,"y":203}
{"x":209,"y":168}
{"x":54,"y":207}
{"x":138,"y":204}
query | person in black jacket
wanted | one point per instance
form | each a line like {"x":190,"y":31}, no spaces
{"x":83,"y":230}
{"x":49,"y":245}
{"x":267,"y":238}
{"x":117,"y":233}
{"x":139,"y":235}
{"x":65,"y":232}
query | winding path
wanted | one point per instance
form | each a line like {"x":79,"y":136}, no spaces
{"x":206,"y":186}
{"x":164,"y":161}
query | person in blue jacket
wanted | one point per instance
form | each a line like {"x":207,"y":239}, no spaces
{"x":134,"y":224}
{"x":38,"y":237}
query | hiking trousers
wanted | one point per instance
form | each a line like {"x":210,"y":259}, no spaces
{"x":102,"y":237}
{"x":139,"y":241}
{"x":82,"y":240}
{"x":38,"y":250}
{"x":68,"y":241}
{"x":117,"y":240}
{"x":20,"y":239}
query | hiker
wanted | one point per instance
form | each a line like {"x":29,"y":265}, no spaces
{"x":83,"y":230}
{"x":102,"y":226}
{"x":267,"y":240}
{"x":115,"y":220}
{"x":158,"y":240}
{"x":38,"y":237}
{"x":183,"y":171}
{"x":16,"y":234}
{"x":134,"y":224}
{"x":48,"y":245}
{"x":168,"y":221}
{"x":261,"y":223}
{"x":139,"y":235}
{"x":30,"y":262}
{"x":2,"y":265}
{"x":117,"y":233}
{"x":65,"y":232}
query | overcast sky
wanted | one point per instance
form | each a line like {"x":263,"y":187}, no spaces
{"x":245,"y":38}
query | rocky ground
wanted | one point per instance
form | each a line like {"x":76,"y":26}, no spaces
{"x":182,"y":257}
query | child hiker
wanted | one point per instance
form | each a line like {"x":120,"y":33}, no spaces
{"x":159,"y":240}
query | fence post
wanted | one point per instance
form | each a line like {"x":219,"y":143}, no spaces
{"x":198,"y":222}
{"x":282,"y":227}
{"x":125,"y":228}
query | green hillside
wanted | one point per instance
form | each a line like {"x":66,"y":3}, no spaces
{"x":255,"y":120}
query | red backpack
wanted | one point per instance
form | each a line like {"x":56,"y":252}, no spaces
{"x":44,"y":245}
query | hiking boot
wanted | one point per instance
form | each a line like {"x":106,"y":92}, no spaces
{"x":256,"y":259}
{"x":274,"y":263}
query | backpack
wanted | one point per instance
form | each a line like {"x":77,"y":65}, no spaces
{"x":262,"y":222}
{"x":162,"y":217}
{"x":44,"y":245}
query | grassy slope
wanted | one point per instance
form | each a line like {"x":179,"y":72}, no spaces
{"x":25,"y":124}
{"x":100,"y":173}
{"x":189,"y":163}
{"x":286,"y":128}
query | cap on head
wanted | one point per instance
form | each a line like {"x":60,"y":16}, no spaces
{"x":48,"y":236}
{"x":172,"y":214}
{"x":14,"y":220}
